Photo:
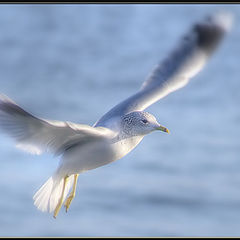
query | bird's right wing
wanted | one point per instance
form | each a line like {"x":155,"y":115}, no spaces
{"x":183,"y":63}
{"x":37,"y":135}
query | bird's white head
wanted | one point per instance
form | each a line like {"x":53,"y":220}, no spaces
{"x":140,"y":123}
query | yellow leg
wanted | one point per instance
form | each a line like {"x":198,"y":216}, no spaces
{"x":72,"y":194}
{"x":58,"y":207}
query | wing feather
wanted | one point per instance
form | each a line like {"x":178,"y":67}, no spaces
{"x":37,"y":135}
{"x":174,"y":72}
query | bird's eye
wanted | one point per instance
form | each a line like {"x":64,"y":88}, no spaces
{"x":144,"y":121}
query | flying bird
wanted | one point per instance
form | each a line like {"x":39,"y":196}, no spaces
{"x":82,"y":147}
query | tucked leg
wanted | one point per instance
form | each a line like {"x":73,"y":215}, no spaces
{"x":72,"y":194}
{"x":58,"y":207}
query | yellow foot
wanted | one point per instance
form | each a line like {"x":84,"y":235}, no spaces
{"x":72,"y":194}
{"x":68,"y":201}
{"x":59,"y":205}
{"x":57,"y":209}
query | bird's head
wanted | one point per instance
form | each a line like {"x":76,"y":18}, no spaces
{"x":140,"y":123}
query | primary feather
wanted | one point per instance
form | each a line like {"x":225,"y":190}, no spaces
{"x":174,"y":72}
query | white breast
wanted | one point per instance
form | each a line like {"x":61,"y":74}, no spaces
{"x":123,"y":147}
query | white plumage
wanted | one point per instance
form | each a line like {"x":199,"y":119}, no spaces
{"x":83,"y":147}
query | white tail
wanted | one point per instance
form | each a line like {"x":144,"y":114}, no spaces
{"x":47,"y":197}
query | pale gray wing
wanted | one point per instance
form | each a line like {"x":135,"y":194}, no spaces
{"x":37,"y":135}
{"x":184,"y":62}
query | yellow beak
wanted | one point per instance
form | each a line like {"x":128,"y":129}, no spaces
{"x":164,"y":129}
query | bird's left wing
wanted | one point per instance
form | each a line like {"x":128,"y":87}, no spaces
{"x":184,"y":62}
{"x":37,"y":135}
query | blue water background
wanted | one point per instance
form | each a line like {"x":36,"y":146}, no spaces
{"x":75,"y":62}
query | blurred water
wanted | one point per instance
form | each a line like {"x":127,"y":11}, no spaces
{"x":74,"y":62}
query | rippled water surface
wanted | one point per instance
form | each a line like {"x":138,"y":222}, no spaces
{"x":74,"y":62}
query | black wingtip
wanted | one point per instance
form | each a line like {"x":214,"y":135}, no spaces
{"x":210,"y":32}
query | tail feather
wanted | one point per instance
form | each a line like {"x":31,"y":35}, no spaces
{"x":48,"y":196}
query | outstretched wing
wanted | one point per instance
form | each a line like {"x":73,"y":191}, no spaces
{"x":37,"y":135}
{"x":185,"y":61}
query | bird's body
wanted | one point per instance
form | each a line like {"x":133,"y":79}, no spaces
{"x":96,"y":154}
{"x":120,"y":130}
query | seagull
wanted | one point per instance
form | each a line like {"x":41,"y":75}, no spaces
{"x":82,"y":147}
